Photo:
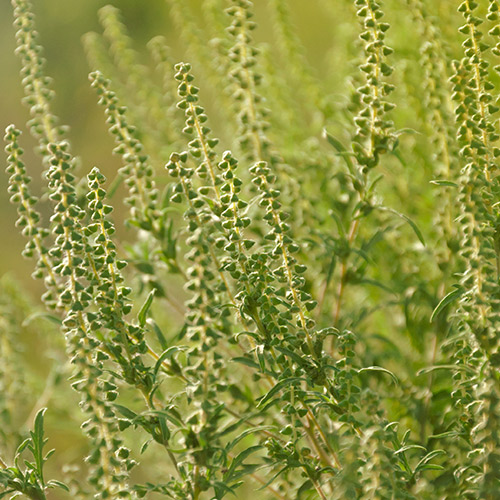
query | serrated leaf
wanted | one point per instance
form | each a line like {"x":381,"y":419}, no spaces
{"x":38,"y":442}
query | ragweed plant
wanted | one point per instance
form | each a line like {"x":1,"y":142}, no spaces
{"x":310,"y":313}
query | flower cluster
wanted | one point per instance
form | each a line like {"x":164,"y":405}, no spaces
{"x":43,"y":123}
{"x":374,"y":131}
{"x":266,"y":323}
{"x":136,"y":169}
{"x":251,"y":114}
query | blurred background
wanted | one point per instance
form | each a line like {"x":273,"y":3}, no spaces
{"x":61,"y":26}
{"x":327,"y":31}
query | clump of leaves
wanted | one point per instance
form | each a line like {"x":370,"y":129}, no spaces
{"x":27,"y":478}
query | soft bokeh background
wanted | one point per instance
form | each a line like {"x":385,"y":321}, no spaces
{"x":324,"y":29}
{"x":61,"y":25}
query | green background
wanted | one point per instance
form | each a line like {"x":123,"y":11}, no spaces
{"x":61,"y":25}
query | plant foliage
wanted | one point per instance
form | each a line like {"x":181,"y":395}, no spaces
{"x":309,"y":305}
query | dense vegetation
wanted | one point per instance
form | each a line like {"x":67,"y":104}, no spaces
{"x":309,"y":305}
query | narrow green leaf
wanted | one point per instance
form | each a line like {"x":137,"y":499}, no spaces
{"x":444,"y":435}
{"x":125,"y":411}
{"x":244,"y":470}
{"x":159,"y":334}
{"x":22,"y":446}
{"x":380,"y":369}
{"x":409,"y":447}
{"x":374,"y":183}
{"x":340,"y":226}
{"x":142,"y":316}
{"x":292,"y":355}
{"x":331,"y":268}
{"x":342,"y":151}
{"x":221,"y":488}
{"x":376,"y":283}
{"x":167,"y":354}
{"x":249,"y":334}
{"x":239,"y":460}
{"x":427,"y":458}
{"x":446,"y":300}
{"x":282,"y":383}
{"x":430,"y":467}
{"x":54,"y":483}
{"x":38,"y":442}
{"x":245,"y":361}
{"x":244,"y":434}
{"x":429,"y":369}
{"x":305,"y":488}
{"x":49,"y":317}
{"x":232,"y":427}
{"x":442,"y":182}
{"x":145,"y":445}
{"x":399,"y":156}
{"x":407,"y":219}
{"x":117,"y":181}
{"x":274,"y":478}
